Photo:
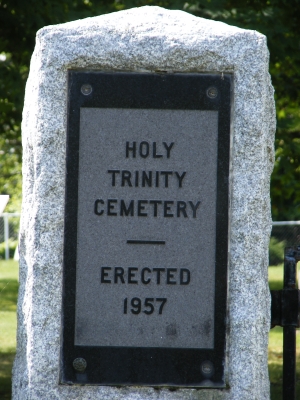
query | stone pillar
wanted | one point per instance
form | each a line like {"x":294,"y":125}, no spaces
{"x":144,"y":40}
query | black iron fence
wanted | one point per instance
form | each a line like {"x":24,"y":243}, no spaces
{"x":285,"y":312}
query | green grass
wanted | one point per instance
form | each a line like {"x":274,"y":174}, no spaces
{"x":9,"y":272}
{"x":8,"y":300}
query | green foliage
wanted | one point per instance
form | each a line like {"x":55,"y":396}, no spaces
{"x":279,"y":20}
{"x":276,"y":251}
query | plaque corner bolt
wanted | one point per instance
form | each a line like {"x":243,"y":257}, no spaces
{"x":212,"y":92}
{"x":79,"y":364}
{"x":207,"y":369}
{"x":86,"y":89}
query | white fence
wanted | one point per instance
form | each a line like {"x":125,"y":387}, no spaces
{"x":9,"y":231}
{"x":287,"y":231}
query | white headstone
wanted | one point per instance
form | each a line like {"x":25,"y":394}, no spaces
{"x":146,"y":39}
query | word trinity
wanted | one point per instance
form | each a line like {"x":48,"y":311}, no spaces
{"x":147,"y":179}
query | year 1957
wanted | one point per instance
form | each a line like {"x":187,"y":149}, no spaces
{"x":147,"y":308}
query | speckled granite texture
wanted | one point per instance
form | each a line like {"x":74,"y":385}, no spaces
{"x":144,"y":39}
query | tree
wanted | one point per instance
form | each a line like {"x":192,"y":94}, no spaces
{"x":279,"y":20}
{"x":19,"y":22}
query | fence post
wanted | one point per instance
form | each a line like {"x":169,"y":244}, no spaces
{"x":289,"y":329}
{"x":6,"y":235}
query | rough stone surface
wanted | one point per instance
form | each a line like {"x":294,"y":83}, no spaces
{"x":144,"y":39}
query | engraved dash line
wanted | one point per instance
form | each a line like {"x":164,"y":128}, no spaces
{"x":129,"y":241}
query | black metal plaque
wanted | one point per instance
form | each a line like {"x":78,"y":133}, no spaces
{"x":146,"y":229}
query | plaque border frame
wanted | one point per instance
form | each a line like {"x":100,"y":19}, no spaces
{"x":142,"y":366}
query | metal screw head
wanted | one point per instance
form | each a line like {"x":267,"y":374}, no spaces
{"x":212,"y":92}
{"x":79,"y":364}
{"x":207,"y":369}
{"x":86,"y":89}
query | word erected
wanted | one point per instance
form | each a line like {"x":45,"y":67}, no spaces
{"x":169,"y":276}
{"x":136,"y":305}
{"x":144,"y":208}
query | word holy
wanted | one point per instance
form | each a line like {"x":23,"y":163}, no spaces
{"x":145,"y":149}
